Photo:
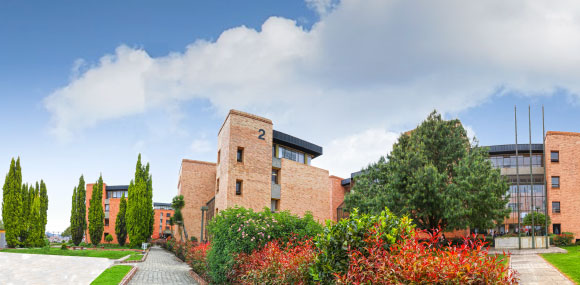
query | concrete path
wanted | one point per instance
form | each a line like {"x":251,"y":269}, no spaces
{"x":533,"y":269}
{"x":162,"y":267}
{"x":19,"y":268}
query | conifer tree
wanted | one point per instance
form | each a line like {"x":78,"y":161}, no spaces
{"x":25,"y":194}
{"x":43,"y":195}
{"x":140,"y":205}
{"x":120,"y":223}
{"x":12,"y":203}
{"x":96,"y":214}
{"x":78,"y":218}
{"x":35,"y":235}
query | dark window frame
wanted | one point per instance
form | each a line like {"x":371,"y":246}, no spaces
{"x":559,"y":226}
{"x":240,"y":155}
{"x":106,"y":207}
{"x":106,"y":222}
{"x":239,"y":190}
{"x":555,"y":185}
{"x":557,"y":153}
{"x":556,"y":210}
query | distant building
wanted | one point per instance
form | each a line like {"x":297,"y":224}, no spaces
{"x":161,"y":225}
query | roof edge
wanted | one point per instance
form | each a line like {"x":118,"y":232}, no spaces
{"x":244,"y":114}
{"x":185,"y":160}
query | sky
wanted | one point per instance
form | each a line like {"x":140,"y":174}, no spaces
{"x":86,"y":86}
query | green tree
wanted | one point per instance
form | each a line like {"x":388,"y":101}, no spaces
{"x":177,"y":204}
{"x":12,"y":203}
{"x":96,"y":214}
{"x":67,"y":232}
{"x":120,"y":223}
{"x":140,"y":205}
{"x":26,"y":195}
{"x":78,"y":216}
{"x":43,"y":195}
{"x":35,"y":235}
{"x":108,"y":238}
{"x":436,"y":177}
{"x":539,"y":220}
{"x":1,"y":225}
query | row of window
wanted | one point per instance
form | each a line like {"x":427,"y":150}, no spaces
{"x":117,"y":194}
{"x":521,"y":160}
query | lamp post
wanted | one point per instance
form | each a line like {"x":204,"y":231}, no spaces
{"x":203,"y":209}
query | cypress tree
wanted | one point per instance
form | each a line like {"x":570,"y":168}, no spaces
{"x":120,"y":223}
{"x":12,"y":203}
{"x":79,"y":212}
{"x":25,"y":193}
{"x":140,"y":205}
{"x":43,"y":196}
{"x":96,"y":214}
{"x":35,"y":230}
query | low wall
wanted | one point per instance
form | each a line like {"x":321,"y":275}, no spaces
{"x":2,"y":239}
{"x":512,"y":242}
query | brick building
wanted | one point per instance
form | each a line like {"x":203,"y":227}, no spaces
{"x":257,"y":167}
{"x":111,"y":202}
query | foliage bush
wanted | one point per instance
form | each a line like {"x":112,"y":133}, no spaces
{"x":334,"y":244}
{"x":63,"y":246}
{"x":563,"y":239}
{"x":196,"y":257}
{"x":276,"y":263}
{"x":412,"y":261}
{"x":239,"y":230}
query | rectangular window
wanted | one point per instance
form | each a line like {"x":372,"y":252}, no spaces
{"x":240,"y":154}
{"x":556,"y":207}
{"x":168,"y":215}
{"x":275,"y":176}
{"x":167,"y":227}
{"x":239,"y":187}
{"x":106,"y":207}
{"x":274,"y":205}
{"x":556,"y":229}
{"x":555,"y":156}
{"x":217,"y":185}
{"x":106,"y":222}
{"x":555,"y":181}
{"x":219,"y":156}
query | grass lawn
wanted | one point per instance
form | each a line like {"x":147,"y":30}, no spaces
{"x":113,"y":275}
{"x":86,"y":253}
{"x":567,"y":263}
{"x":135,"y":257}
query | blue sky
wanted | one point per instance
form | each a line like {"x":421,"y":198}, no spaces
{"x":86,"y":86}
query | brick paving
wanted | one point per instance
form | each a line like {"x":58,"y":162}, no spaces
{"x":162,"y":267}
{"x":533,"y":269}
{"x":19,"y":268}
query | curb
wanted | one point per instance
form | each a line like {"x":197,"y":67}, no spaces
{"x":197,"y":278}
{"x":135,"y":261}
{"x":129,"y":276}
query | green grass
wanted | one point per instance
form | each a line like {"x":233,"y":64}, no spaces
{"x":113,"y":275}
{"x":135,"y":257}
{"x":86,"y":253}
{"x":567,"y":263}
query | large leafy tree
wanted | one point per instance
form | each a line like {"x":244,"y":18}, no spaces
{"x":539,"y":220}
{"x":78,"y":216}
{"x":96,"y":214}
{"x":12,"y":203}
{"x":140,"y":205}
{"x":120,"y":223}
{"x":435,"y":176}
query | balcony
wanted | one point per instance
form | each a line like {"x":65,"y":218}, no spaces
{"x":275,"y":191}
{"x":276,"y":162}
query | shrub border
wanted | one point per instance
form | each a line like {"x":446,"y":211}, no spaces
{"x":129,"y":276}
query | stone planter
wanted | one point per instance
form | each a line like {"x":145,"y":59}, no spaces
{"x":512,"y":242}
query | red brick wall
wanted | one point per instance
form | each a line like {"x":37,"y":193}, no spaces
{"x":164,"y":222}
{"x":568,"y":168}
{"x":197,"y":184}
{"x":337,"y":195}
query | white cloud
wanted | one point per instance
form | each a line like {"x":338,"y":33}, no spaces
{"x":354,"y":152}
{"x":322,"y":7}
{"x":373,"y":64}
{"x":201,"y":146}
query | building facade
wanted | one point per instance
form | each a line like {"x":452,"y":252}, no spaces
{"x":257,"y":167}
{"x":111,"y":203}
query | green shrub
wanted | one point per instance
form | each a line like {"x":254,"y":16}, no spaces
{"x":563,"y":239}
{"x":63,"y":246}
{"x":350,"y":234}
{"x":193,"y":239}
{"x":239,"y":230}
{"x":577,"y":242}
{"x":108,"y":238}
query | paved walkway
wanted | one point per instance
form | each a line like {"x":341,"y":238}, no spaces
{"x":19,"y":268}
{"x":533,"y":269}
{"x":162,"y":267}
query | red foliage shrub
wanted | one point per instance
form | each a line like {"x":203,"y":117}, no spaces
{"x":276,"y":263}
{"x":416,"y":261}
{"x":196,"y":257}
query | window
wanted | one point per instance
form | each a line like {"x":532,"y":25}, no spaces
{"x":168,"y":215}
{"x":106,"y":207}
{"x":219,"y":155}
{"x":555,"y":156}
{"x":217,"y":186}
{"x":274,"y":206}
{"x":556,"y":229}
{"x":167,"y":227}
{"x":240,"y":154}
{"x":290,"y":154}
{"x":106,"y":223}
{"x":275,"y":176}
{"x":239,"y":187}
{"x":555,"y":207}
{"x":555,"y":181}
